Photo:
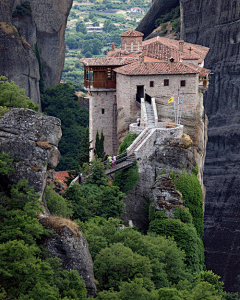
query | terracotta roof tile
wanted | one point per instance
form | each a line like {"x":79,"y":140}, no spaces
{"x":166,"y":46}
{"x":131,"y":33}
{"x":107,"y":61}
{"x":156,"y":68}
{"x":62,"y":176}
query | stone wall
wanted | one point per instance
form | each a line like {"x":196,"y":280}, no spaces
{"x":157,"y":136}
{"x":131,"y":43}
{"x":126,"y":99}
{"x":101,"y":118}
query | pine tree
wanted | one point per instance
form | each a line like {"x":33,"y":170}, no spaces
{"x":99,"y":146}
{"x":85,"y":145}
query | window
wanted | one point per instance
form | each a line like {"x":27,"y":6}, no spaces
{"x":151,"y":83}
{"x":166,"y":82}
{"x":110,"y":74}
{"x":182,"y":82}
{"x":102,"y":111}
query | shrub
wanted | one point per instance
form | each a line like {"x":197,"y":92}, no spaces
{"x":183,"y":215}
{"x":189,"y":186}
{"x":57,"y":205}
{"x":127,"y":179}
{"x":11,"y":96}
{"x":186,"y":238}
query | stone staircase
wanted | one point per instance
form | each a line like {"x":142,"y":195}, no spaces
{"x":137,"y":142}
{"x":150,"y":116}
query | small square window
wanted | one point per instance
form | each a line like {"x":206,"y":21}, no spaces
{"x":183,"y":83}
{"x":102,"y":111}
{"x":166,"y":82}
{"x":151,"y":83}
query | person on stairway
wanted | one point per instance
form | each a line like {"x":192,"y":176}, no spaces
{"x":138,"y":121}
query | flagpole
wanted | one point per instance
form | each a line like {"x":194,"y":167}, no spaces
{"x":181,"y":109}
{"x":178,"y":107}
{"x":174,"y":107}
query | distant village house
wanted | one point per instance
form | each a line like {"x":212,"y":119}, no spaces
{"x":94,"y":29}
{"x":136,"y":10}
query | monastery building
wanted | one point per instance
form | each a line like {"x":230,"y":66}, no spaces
{"x":140,"y":74}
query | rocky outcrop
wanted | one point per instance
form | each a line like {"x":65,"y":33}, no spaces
{"x":70,"y":245}
{"x":165,"y":196}
{"x":31,"y":139}
{"x":158,"y":8}
{"x":44,"y":23}
{"x":171,"y":155}
{"x":215,"y":24}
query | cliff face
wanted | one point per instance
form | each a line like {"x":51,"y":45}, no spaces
{"x":44,"y":23}
{"x":32,"y":139}
{"x":170,"y":155}
{"x":215,"y":24}
{"x":157,"y":9}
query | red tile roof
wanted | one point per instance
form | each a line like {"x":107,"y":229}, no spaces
{"x":156,"y":68}
{"x":62,"y":176}
{"x":164,"y":48}
{"x":107,"y":61}
{"x":131,"y":33}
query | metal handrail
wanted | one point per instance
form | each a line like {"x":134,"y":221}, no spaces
{"x":120,"y":157}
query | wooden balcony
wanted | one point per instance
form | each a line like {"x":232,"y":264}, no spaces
{"x":96,"y":84}
{"x":96,"y":78}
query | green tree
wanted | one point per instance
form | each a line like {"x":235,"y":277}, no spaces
{"x":85,"y":146}
{"x":11,"y":96}
{"x":96,"y":197}
{"x":129,"y":290}
{"x":99,"y":146}
{"x":190,"y":187}
{"x":25,"y":275}
{"x":166,"y":259}
{"x":80,"y":27}
{"x":5,"y":164}
{"x":60,"y":101}
{"x":127,"y":179}
{"x":118,"y":263}
{"x":185,"y":236}
{"x":108,"y":26}
{"x":56,"y":204}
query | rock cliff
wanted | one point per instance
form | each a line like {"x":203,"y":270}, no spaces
{"x":170,"y":155}
{"x":215,"y":24}
{"x":70,"y":245}
{"x":32,"y":139}
{"x":20,"y":29}
{"x":157,"y":9}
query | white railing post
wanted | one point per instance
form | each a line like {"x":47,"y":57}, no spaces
{"x":143,"y":112}
{"x":154,"y":107}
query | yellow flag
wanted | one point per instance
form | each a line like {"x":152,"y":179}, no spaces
{"x":170,"y":100}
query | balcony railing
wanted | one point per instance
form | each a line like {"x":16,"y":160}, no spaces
{"x":91,"y":84}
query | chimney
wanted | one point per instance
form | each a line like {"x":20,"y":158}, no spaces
{"x":171,"y":63}
{"x":113,"y":46}
{"x":181,"y":43}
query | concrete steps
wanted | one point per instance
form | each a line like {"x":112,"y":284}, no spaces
{"x":150,"y":116}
